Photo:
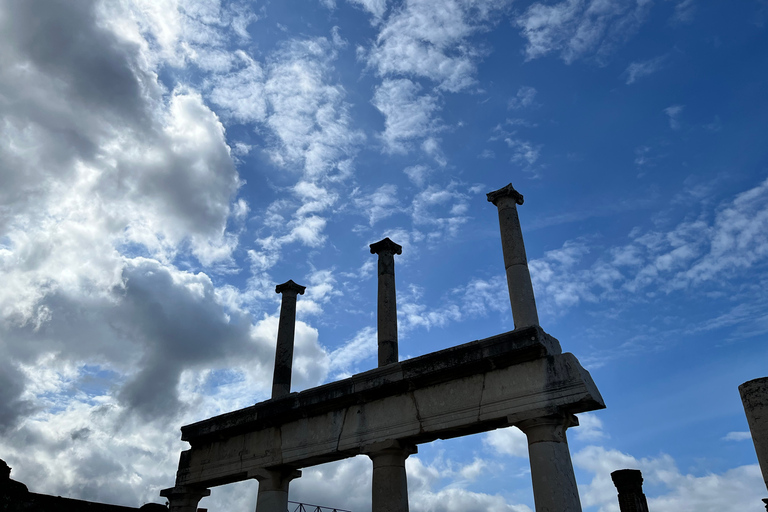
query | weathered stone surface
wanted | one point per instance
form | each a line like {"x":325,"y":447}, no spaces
{"x":521,"y":295}
{"x":273,"y":488}
{"x":554,"y":484}
{"x":754,"y":396}
{"x":386,"y":309}
{"x":462,"y":390}
{"x":389,"y":489}
{"x":281,"y":378}
{"x":629,"y":483}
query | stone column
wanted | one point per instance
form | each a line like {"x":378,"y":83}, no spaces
{"x":387,"y":304}
{"x":273,"y":488}
{"x":518,"y":277}
{"x":754,"y":396}
{"x":629,"y":483}
{"x":184,"y":499}
{"x":281,"y":380}
{"x":390,"y":484}
{"x":554,"y":484}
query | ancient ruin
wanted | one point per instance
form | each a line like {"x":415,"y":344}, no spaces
{"x":754,"y":396}
{"x":519,"y":378}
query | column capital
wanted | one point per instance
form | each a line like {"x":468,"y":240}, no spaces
{"x":390,"y":446}
{"x":549,"y":428}
{"x":184,"y":490}
{"x":290,"y":287}
{"x":278,"y":476}
{"x":386,"y":246}
{"x":627,"y":480}
{"x":508,"y":191}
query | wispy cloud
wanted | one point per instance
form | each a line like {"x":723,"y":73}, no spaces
{"x":673,"y":113}
{"x":580,"y":29}
{"x":644,"y":68}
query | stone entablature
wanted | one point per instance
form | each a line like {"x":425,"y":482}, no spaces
{"x":470,"y":388}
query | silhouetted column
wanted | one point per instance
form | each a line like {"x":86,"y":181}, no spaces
{"x":754,"y":396}
{"x":389,"y":489}
{"x":387,"y":303}
{"x":518,"y":277}
{"x":554,"y":484}
{"x":184,"y":499}
{"x":273,"y":489}
{"x":629,"y":483}
{"x":281,"y":381}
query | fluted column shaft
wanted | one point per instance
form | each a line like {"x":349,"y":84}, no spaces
{"x":629,"y":484}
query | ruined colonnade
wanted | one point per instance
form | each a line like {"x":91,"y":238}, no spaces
{"x":384,"y":413}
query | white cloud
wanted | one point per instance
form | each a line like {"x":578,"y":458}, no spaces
{"x":673,"y":113}
{"x":408,"y":115}
{"x":508,"y":441}
{"x":380,"y":204}
{"x":644,"y":68}
{"x":376,"y":7}
{"x":735,"y":489}
{"x":428,"y":39}
{"x":737,"y":436}
{"x":580,"y":28}
{"x":524,"y":98}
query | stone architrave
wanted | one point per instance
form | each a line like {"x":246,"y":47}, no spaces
{"x":273,"y":488}
{"x":521,"y":296}
{"x":554,"y":484}
{"x":387,"y":301}
{"x":281,"y":380}
{"x":184,"y":498}
{"x":389,"y":489}
{"x":629,"y":484}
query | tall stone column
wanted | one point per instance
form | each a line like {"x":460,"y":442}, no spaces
{"x":754,"y":396}
{"x":390,"y":484}
{"x":554,"y":484}
{"x":629,"y":483}
{"x":518,"y":277}
{"x":184,"y":499}
{"x":273,"y":488}
{"x":387,"y":303}
{"x":281,"y":380}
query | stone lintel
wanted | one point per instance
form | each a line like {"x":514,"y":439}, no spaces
{"x":498,"y":351}
{"x":386,"y":245}
{"x":508,"y":191}
{"x":290,"y":286}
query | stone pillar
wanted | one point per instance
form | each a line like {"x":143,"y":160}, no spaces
{"x":281,"y":380}
{"x":629,"y":483}
{"x":273,"y":488}
{"x":554,"y":484}
{"x":387,"y":303}
{"x":754,"y":396}
{"x":390,"y":484}
{"x":184,"y":499}
{"x":518,"y":277}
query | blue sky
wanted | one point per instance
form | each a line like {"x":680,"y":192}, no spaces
{"x":163,"y":164}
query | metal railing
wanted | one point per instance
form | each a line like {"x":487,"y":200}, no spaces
{"x":308,"y":507}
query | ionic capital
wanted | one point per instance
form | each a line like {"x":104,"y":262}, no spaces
{"x":386,"y":246}
{"x":508,"y":191}
{"x":290,"y":287}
